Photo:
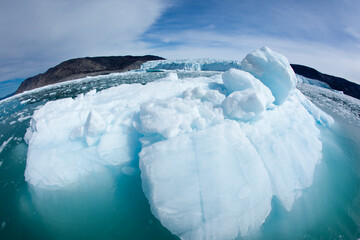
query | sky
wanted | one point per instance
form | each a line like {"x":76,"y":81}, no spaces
{"x":38,"y":34}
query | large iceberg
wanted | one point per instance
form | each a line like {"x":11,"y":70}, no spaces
{"x":213,"y":151}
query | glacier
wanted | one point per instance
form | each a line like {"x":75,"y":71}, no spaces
{"x":213,"y":151}
{"x":190,"y":65}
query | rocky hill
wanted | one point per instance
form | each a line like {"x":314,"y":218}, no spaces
{"x":82,"y":67}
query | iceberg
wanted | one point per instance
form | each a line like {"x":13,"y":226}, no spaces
{"x":213,"y":151}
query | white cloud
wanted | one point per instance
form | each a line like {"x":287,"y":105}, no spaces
{"x":37,"y":34}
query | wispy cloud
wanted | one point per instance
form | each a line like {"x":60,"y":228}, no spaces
{"x":307,"y":19}
{"x":37,"y":34}
{"x":321,"y":34}
{"x":197,"y":44}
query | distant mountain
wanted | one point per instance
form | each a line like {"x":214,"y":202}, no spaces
{"x":82,"y":67}
{"x":337,"y":83}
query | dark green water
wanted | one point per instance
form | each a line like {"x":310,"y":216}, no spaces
{"x":116,"y":208}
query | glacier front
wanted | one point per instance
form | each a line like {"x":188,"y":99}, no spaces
{"x":213,"y":151}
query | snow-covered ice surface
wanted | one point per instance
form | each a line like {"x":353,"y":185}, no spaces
{"x":88,"y":132}
{"x":214,"y":151}
{"x":248,"y":98}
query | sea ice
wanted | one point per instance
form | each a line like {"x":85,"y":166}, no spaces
{"x":213,"y":151}
{"x":3,"y":145}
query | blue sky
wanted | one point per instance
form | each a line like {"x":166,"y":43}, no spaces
{"x":39,"y":34}
{"x":321,"y":34}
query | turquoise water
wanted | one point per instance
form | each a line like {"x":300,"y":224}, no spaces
{"x":108,"y":209}
{"x":330,"y":208}
{"x":9,"y":86}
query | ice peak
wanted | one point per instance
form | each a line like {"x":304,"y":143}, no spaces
{"x":273,"y":69}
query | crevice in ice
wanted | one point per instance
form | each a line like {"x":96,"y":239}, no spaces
{"x":203,"y":219}
{"x":218,"y":87}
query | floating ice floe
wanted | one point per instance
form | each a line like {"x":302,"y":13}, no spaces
{"x":3,"y":145}
{"x":213,"y":152}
